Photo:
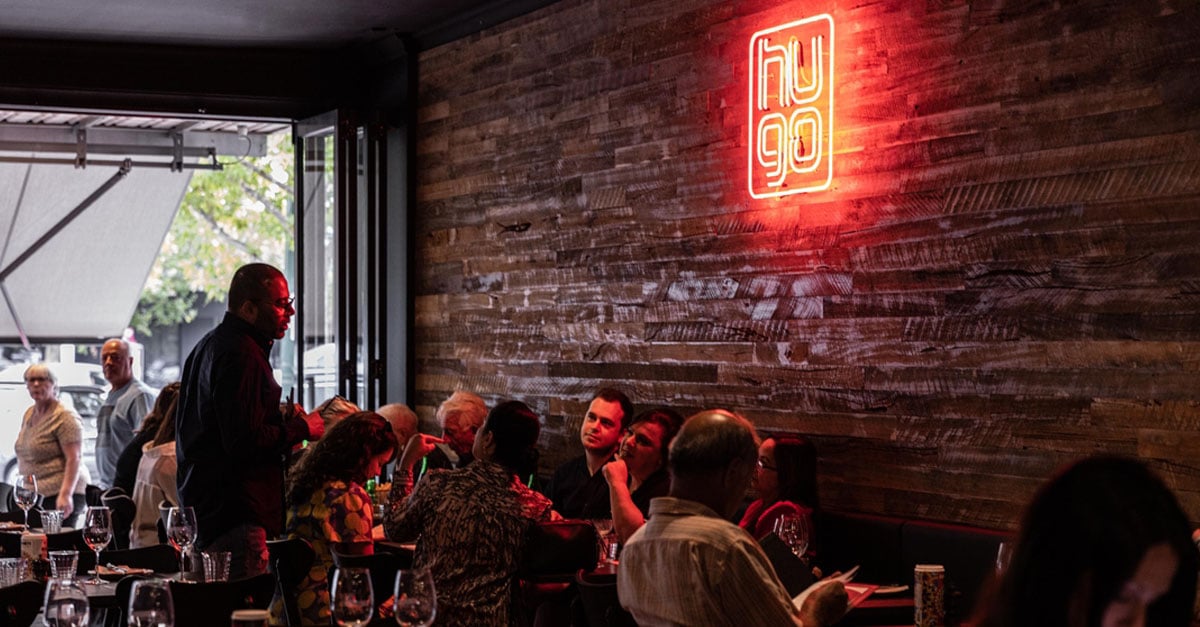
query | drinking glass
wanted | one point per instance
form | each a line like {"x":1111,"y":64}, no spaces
{"x":150,"y":604}
{"x":416,"y":601}
{"x":97,"y":533}
{"x":351,"y":599}
{"x":607,"y":537}
{"x":66,"y":604}
{"x":793,"y":530}
{"x":1003,"y":556}
{"x":181,"y":530}
{"x":25,"y":493}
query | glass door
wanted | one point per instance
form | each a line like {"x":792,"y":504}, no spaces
{"x":342,"y":283}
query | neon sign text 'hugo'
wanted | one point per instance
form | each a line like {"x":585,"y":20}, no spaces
{"x":791,"y":108}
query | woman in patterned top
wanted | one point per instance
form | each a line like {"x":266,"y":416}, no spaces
{"x":328,"y":506}
{"x":470,"y":523}
{"x":50,"y":446}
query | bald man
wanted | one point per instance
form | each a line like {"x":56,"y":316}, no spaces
{"x":232,"y":436}
{"x":128,"y":402}
{"x":689,"y":564}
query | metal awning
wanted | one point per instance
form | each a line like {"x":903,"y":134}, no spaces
{"x":73,"y":269}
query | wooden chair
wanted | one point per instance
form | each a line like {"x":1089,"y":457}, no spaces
{"x":211,"y":603}
{"x":289,"y":560}
{"x":382,"y":566}
{"x":20,"y":603}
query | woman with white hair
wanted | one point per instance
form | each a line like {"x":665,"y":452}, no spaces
{"x":50,"y":446}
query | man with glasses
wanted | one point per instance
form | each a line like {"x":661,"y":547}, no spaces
{"x":232,"y":434}
{"x":127,"y":404}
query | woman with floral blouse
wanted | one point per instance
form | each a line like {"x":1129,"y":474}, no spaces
{"x":470,"y":523}
{"x":328,"y":505}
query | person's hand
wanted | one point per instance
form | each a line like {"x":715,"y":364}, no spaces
{"x":316,"y":424}
{"x":826,"y":605}
{"x":417,"y":448}
{"x":66,"y":504}
{"x":616,"y":472}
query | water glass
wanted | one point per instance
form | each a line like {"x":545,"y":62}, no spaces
{"x":11,"y":571}
{"x":66,"y":604}
{"x":52,"y":520}
{"x":64,"y":563}
{"x":216,"y":565}
{"x":150,"y":604}
{"x":416,"y":600}
{"x":351,"y":599}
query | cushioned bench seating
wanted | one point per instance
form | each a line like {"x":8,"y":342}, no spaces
{"x":887,"y":548}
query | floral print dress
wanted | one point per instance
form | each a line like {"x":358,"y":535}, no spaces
{"x":336,"y":512}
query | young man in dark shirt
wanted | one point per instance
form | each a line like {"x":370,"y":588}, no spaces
{"x":578,"y":488}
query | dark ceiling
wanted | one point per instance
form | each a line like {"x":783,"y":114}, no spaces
{"x":265,"y":58}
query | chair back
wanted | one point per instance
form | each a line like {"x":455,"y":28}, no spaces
{"x":290,"y":560}
{"x":598,"y":605}
{"x":211,"y":603}
{"x":20,"y":603}
{"x":555,"y":551}
{"x":382,"y":566}
{"x":91,"y":495}
{"x":123,"y":512}
{"x":6,"y":490}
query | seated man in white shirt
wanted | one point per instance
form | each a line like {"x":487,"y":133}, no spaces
{"x":689,"y":565}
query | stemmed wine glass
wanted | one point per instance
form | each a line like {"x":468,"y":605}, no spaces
{"x":793,"y":530}
{"x":97,"y":533}
{"x":150,"y":604}
{"x":181,"y":531}
{"x":416,"y":601}
{"x":352,"y":601}
{"x":25,"y":493}
{"x":66,"y":604}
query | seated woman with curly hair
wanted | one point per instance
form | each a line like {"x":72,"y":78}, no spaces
{"x":328,"y":505}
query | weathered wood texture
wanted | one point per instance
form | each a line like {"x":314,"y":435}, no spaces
{"x":1004,"y":277}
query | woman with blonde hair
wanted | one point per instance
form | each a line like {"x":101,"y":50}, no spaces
{"x":49,"y":446}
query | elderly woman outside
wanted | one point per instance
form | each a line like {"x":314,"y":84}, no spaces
{"x":50,"y":446}
{"x":328,"y":505}
{"x":470,"y":523}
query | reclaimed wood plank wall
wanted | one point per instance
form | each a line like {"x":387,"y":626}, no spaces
{"x":1005,"y":275}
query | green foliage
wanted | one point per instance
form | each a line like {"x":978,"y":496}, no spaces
{"x":237,"y":215}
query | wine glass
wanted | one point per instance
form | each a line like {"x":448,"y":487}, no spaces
{"x":793,"y":530}
{"x":1003,"y":556}
{"x":150,"y":604}
{"x":66,"y":604}
{"x":97,"y":533}
{"x":181,"y":531}
{"x":25,"y":493}
{"x":351,"y":599}
{"x":604,"y":532}
{"x":416,"y":601}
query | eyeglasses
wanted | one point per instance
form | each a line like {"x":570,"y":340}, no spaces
{"x":282,"y":303}
{"x":762,"y":465}
{"x":32,"y":380}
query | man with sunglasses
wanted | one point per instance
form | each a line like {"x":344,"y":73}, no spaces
{"x":232,"y":435}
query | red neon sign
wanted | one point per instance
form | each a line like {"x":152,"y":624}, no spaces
{"x":791,"y":108}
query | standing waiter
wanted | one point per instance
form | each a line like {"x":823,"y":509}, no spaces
{"x":232,"y":435}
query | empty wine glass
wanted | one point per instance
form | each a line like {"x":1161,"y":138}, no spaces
{"x":25,"y":493}
{"x":351,"y":599}
{"x":66,"y":604}
{"x":181,"y":531}
{"x":793,"y":530}
{"x":1003,"y":556}
{"x":150,"y":604}
{"x":97,"y":533}
{"x":416,"y":601}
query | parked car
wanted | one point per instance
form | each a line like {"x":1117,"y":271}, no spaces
{"x":81,"y":387}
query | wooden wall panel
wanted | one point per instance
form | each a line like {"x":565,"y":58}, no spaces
{"x":1005,"y":275}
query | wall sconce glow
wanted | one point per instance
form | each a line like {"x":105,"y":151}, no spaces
{"x":791,"y":108}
